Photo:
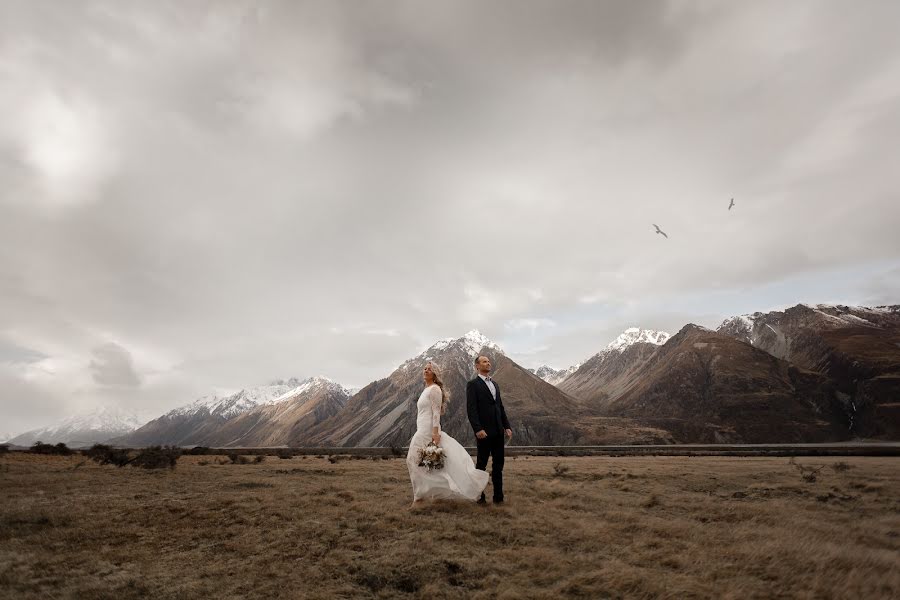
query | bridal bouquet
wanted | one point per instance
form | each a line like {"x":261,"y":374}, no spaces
{"x":431,"y":457}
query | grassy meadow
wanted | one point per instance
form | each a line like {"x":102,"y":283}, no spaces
{"x":343,"y":527}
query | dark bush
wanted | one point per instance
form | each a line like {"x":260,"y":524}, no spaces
{"x":259,"y":458}
{"x":106,"y":455}
{"x":63,"y":449}
{"x":199,"y":451}
{"x":396,"y":450}
{"x":42,"y":448}
{"x":4,"y":448}
{"x":284,"y":453}
{"x":157,"y":457}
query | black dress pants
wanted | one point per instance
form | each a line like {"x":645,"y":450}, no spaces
{"x":492,"y":446}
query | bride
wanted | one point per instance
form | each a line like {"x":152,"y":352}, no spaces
{"x":459,"y":479}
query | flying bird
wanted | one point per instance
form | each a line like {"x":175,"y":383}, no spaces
{"x":732,"y":204}
{"x":658,"y":230}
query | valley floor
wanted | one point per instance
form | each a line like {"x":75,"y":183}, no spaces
{"x":341,"y":527}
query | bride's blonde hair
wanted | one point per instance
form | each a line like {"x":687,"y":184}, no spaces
{"x":445,"y":395}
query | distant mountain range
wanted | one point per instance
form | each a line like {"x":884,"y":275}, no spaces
{"x":83,"y":430}
{"x":261,"y":416}
{"x":807,"y":374}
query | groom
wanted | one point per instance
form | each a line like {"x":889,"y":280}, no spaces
{"x":488,"y":418}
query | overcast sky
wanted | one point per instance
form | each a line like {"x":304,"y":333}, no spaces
{"x":205,"y":196}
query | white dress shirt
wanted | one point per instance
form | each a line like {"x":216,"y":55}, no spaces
{"x":490,"y":384}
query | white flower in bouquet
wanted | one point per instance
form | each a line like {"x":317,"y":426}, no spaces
{"x":431,"y":457}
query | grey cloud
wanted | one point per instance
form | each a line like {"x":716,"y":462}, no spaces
{"x":13,"y":353}
{"x":112,"y":365}
{"x":261,"y":177}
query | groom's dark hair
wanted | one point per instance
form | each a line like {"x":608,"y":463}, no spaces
{"x":478,"y":359}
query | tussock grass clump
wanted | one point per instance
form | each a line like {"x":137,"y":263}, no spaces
{"x":252,"y":485}
{"x":27,"y":522}
{"x":840,"y":467}
{"x":560,"y":470}
{"x":389,"y":581}
{"x":809,"y":474}
{"x":237,"y":459}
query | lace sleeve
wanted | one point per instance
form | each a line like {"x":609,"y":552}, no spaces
{"x":436,"y":396}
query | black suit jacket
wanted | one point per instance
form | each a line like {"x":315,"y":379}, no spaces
{"x":484,"y":412}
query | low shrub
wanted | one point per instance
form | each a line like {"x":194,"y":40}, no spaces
{"x":157,"y":457}
{"x":199,"y":451}
{"x":284,"y":453}
{"x":42,"y":448}
{"x":4,"y":448}
{"x":106,"y":455}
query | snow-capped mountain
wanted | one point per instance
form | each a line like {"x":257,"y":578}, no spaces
{"x":707,"y":387}
{"x":96,"y":426}
{"x":308,"y":386}
{"x":554,"y":376}
{"x":857,"y":347}
{"x":613,"y":369}
{"x":383,"y":413}
{"x":243,"y":418}
{"x":470,"y":344}
{"x":765,"y":329}
{"x":634,"y":335}
{"x":239,"y":402}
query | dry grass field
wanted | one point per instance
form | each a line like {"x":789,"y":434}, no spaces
{"x":591,"y":527}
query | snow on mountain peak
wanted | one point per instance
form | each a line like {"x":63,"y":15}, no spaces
{"x":98,"y":424}
{"x":740,"y":323}
{"x":308,"y":385}
{"x":250,"y":398}
{"x":633,"y":335}
{"x":104,"y":418}
{"x":471,"y":343}
{"x":474,"y":341}
{"x":554,"y":376}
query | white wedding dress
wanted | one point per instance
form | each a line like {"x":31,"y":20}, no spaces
{"x":459,"y":479}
